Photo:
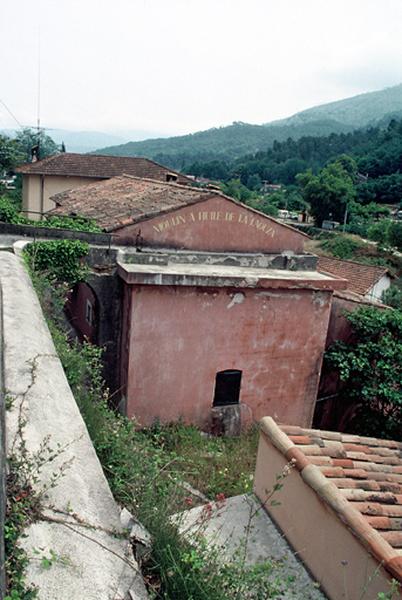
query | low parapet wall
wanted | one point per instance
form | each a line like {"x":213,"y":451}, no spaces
{"x":2,"y":456}
{"x":33,"y":231}
{"x":80,"y":520}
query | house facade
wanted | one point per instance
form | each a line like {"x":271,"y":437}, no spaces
{"x":221,"y":310}
{"x":65,"y":171}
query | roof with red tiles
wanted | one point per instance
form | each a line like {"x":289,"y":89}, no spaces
{"x":100,"y":167}
{"x":125,"y":200}
{"x":359,"y":477}
{"x":361,"y":277}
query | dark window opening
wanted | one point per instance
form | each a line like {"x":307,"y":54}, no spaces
{"x":171,"y":177}
{"x":227,"y":387}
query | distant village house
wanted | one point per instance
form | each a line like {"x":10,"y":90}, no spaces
{"x":65,"y":171}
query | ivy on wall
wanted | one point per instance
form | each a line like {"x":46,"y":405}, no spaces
{"x":370,"y":367}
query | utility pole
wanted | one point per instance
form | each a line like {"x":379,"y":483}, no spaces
{"x":345,"y":218}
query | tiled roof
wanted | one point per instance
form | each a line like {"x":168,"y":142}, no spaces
{"x":97,"y":166}
{"x":360,"y":478}
{"x":361,"y":278}
{"x":125,"y":200}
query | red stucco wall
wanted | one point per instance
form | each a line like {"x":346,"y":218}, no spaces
{"x":180,"y":337}
{"x":215,"y":225}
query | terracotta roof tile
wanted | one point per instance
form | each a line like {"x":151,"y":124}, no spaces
{"x":98,"y":166}
{"x":359,"y":477}
{"x":125,"y":200}
{"x":361,"y":278}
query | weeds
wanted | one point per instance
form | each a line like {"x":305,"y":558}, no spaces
{"x":24,"y":502}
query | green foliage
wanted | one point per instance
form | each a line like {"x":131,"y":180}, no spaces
{"x":59,"y":260}
{"x":379,"y":232}
{"x":395,"y":235}
{"x":9,"y":213}
{"x":235,"y":189}
{"x":27,"y":138}
{"x":341,"y":246}
{"x":370,"y":368}
{"x":329,"y":192}
{"x":72,"y":223}
{"x":10,"y":154}
{"x":393,"y":296}
{"x":25,"y":494}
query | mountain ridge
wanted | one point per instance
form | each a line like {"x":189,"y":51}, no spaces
{"x":232,"y":141}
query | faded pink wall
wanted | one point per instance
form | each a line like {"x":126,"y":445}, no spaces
{"x":180,"y":337}
{"x":215,"y":225}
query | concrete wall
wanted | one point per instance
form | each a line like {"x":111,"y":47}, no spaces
{"x":81,"y":516}
{"x":337,"y":560}
{"x":218,"y":225}
{"x":37,"y":190}
{"x":2,"y":453}
{"x":379,"y":288}
{"x":178,"y":338}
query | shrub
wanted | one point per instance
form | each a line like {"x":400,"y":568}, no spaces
{"x":379,"y":232}
{"x":370,"y":368}
{"x":393,"y":296}
{"x":9,"y":213}
{"x":395,"y":235}
{"x":341,"y":246}
{"x":60,"y":260}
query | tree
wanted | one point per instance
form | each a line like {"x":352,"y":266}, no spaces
{"x":370,"y":367}
{"x":27,"y":139}
{"x":10,"y":154}
{"x":330,"y":191}
{"x":395,"y":235}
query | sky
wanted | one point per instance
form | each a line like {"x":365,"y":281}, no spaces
{"x":179,"y":66}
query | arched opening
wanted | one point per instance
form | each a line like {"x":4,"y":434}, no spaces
{"x":82,"y":309}
{"x":227,"y":387}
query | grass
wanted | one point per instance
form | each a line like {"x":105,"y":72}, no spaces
{"x":213,"y":465}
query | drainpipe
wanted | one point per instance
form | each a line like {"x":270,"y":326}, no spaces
{"x":42,"y":199}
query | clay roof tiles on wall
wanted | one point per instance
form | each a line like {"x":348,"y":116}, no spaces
{"x":69,"y":164}
{"x":361,"y":277}
{"x":359,"y":477}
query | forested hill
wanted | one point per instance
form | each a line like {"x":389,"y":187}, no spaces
{"x":376,"y":150}
{"x":226,"y":143}
{"x":358,"y":111}
{"x":236,"y":140}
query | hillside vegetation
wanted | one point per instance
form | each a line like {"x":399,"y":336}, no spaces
{"x":377,"y":152}
{"x":231,"y":142}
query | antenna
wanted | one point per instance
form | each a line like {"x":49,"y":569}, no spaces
{"x":38,"y":99}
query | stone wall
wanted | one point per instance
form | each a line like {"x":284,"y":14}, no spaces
{"x":79,"y":517}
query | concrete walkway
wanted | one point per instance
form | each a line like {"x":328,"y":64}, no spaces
{"x":228,"y":526}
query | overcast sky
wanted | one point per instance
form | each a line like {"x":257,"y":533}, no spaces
{"x":177,"y":66}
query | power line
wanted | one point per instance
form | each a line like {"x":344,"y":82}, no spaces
{"x":10,"y":113}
